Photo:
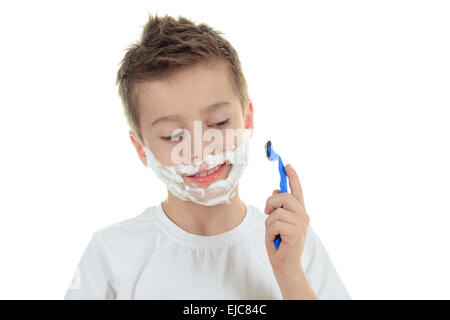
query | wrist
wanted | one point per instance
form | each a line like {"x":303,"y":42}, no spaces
{"x":287,"y":280}
{"x":289,"y":273}
{"x":294,"y":285}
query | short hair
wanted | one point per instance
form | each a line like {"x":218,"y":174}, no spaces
{"x":168,"y":45}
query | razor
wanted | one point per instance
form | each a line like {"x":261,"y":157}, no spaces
{"x":273,"y":156}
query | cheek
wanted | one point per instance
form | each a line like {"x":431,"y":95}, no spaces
{"x":167,"y":153}
{"x":162,"y":152}
{"x":236,"y":138}
{"x":165,"y":159}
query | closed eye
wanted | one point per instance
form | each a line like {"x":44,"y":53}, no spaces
{"x":175,"y":137}
{"x":222,"y":123}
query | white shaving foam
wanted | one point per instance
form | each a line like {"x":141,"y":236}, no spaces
{"x":218,"y":192}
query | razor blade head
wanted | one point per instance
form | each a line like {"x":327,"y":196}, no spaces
{"x":268,"y":148}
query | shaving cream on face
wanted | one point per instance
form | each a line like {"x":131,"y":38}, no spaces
{"x":218,"y":192}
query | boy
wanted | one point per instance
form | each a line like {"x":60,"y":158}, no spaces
{"x":202,"y":241}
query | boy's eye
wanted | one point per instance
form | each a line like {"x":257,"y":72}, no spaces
{"x":177,"y":136}
{"x":173,"y":138}
{"x":222,"y":123}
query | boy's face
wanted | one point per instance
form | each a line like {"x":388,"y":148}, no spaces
{"x":171,"y":108}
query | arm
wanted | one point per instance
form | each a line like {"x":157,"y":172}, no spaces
{"x":295,"y":286}
{"x":93,"y":279}
{"x":299,"y":276}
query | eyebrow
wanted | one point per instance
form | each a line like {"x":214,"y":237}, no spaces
{"x":207,"y":109}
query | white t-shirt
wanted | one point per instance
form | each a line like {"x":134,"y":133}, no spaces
{"x":150,"y":257}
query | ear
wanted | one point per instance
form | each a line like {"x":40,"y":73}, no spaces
{"x":139,"y":149}
{"x":248,"y":121}
{"x":133,"y":141}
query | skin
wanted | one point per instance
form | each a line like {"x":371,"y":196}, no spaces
{"x":187,"y":94}
{"x":287,"y":217}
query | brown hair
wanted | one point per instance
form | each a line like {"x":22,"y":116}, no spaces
{"x":167,"y":45}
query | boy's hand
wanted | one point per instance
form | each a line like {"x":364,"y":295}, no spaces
{"x":291,"y":223}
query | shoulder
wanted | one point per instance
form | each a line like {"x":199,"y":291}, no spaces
{"x":131,"y":230}
{"x":257,"y":213}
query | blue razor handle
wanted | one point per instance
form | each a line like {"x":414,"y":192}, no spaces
{"x":283,"y":181}
{"x":283,"y":188}
{"x":272,"y":155}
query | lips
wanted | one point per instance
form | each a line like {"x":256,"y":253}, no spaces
{"x":207,"y":172}
{"x":208,"y":176}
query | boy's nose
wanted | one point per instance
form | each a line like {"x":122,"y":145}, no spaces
{"x":201,"y":147}
{"x":205,"y":141}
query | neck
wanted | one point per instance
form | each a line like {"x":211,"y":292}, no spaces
{"x":204,"y":220}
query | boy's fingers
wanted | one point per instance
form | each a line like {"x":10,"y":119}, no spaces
{"x":285,"y":200}
{"x":294,"y":183}
{"x":279,"y":228}
{"x":276,"y":191}
{"x":281,"y":214}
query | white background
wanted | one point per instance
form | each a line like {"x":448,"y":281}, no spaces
{"x":354,"y":94}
